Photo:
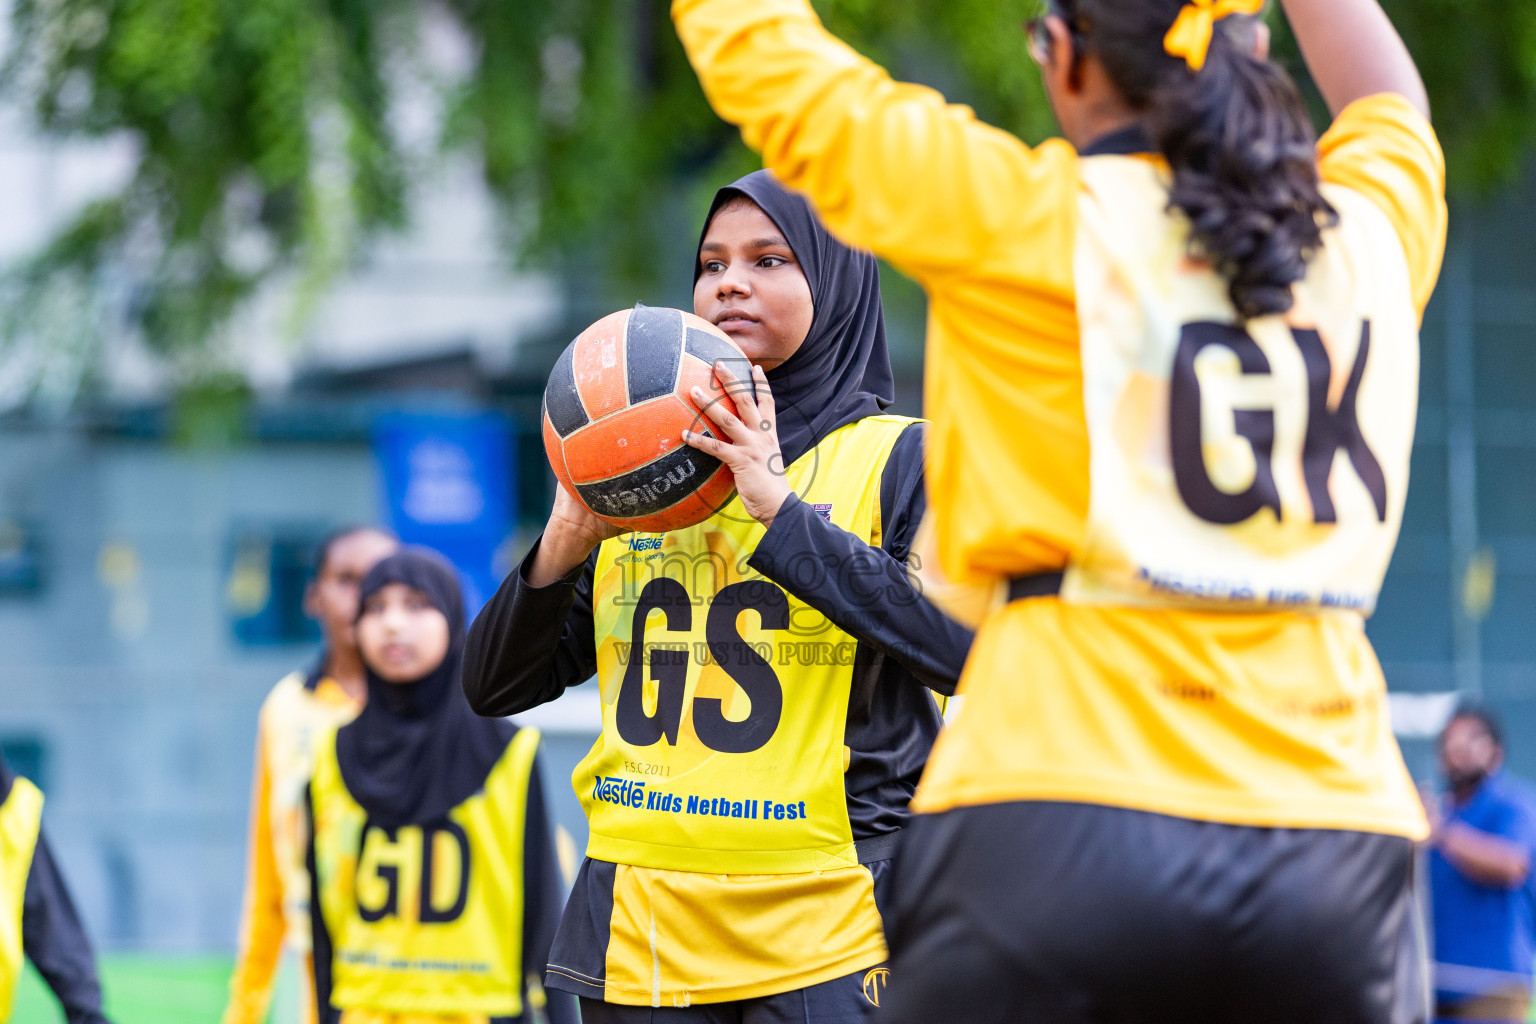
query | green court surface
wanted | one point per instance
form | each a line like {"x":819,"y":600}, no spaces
{"x":140,"y":990}
{"x":152,"y":990}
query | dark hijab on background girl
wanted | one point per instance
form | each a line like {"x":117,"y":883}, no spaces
{"x":417,"y":749}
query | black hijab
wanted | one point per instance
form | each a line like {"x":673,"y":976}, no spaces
{"x":842,"y":373}
{"x":417,"y":749}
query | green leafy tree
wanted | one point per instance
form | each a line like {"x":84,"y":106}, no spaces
{"x":266,"y":143}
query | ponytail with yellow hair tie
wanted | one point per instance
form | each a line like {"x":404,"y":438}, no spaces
{"x":1190,"y":36}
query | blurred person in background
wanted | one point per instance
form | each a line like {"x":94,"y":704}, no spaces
{"x":37,"y":917}
{"x":433,"y":877}
{"x":1480,"y":849}
{"x":300,"y":708}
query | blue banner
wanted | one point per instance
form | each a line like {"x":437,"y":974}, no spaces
{"x":449,"y":484}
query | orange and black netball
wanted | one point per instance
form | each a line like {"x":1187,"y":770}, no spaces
{"x":616,"y":406}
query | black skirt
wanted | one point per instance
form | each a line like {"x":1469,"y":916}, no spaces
{"x":1075,"y":913}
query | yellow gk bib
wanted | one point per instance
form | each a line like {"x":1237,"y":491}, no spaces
{"x":725,"y":699}
{"x":21,"y":817}
{"x":426,"y":919}
{"x":1239,"y":466}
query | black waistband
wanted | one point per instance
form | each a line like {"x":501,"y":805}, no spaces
{"x":877,"y":848}
{"x":1045,"y":584}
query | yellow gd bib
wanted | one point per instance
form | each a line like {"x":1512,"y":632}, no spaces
{"x":725,"y":698}
{"x":21,"y":817}
{"x":1239,"y":466}
{"x":426,"y":919}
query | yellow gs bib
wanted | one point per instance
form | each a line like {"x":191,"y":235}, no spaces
{"x":725,"y":699}
{"x":1239,"y":466}
{"x":21,"y":817}
{"x":426,"y":919}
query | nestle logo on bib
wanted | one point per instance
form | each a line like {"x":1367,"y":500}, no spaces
{"x":645,"y":543}
{"x":823,"y":510}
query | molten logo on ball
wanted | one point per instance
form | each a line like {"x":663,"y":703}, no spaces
{"x":620,"y":503}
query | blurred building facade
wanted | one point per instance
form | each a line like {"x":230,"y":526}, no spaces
{"x":1458,"y":613}
{"x":150,"y":594}
{"x":126,"y":690}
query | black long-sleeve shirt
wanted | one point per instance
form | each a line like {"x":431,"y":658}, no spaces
{"x":530,"y":643}
{"x":543,"y":900}
{"x":52,"y":936}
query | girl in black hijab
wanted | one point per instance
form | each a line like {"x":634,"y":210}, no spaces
{"x":416,"y":778}
{"x":719,"y":898}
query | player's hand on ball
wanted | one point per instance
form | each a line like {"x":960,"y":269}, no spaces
{"x":572,"y":517}
{"x":569,"y":537}
{"x":750,"y":446}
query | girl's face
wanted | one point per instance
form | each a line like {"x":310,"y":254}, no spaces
{"x":401,"y":635}
{"x":751,"y":286}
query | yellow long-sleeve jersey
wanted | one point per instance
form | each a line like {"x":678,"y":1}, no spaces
{"x":1222,"y":498}
{"x":300,"y":709}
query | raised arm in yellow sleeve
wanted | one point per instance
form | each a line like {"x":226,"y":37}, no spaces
{"x":1383,"y":148}
{"x":262,"y":927}
{"x":890,"y":167}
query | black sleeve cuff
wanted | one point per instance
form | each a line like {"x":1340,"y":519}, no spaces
{"x":569,"y":580}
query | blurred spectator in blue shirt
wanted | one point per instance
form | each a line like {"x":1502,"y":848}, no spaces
{"x":1482,"y":842}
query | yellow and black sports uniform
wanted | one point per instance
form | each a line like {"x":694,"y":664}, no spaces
{"x":37,"y":918}
{"x":275,"y":915}
{"x":766,"y":694}
{"x":433,"y":878}
{"x":1221,"y":503}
